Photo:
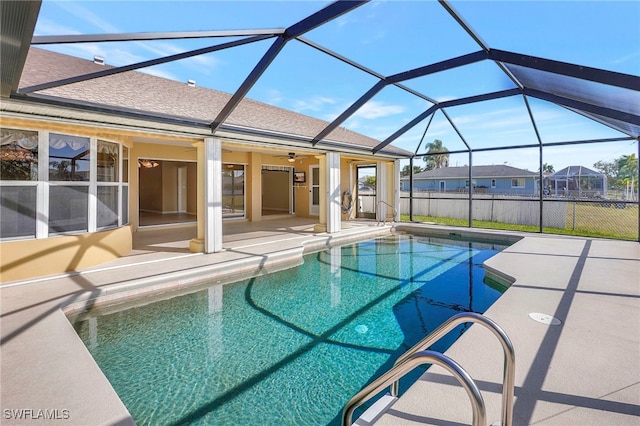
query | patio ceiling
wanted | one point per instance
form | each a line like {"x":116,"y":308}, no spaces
{"x":606,"y":97}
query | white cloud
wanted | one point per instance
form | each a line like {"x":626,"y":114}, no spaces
{"x":315,"y":103}
{"x":273,"y":96}
{"x":375,"y":109}
{"x":88,"y":16}
{"x":47,"y":27}
{"x":160,"y":73}
{"x":124,"y":53}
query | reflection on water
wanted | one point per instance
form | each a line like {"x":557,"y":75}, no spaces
{"x":293,"y":346}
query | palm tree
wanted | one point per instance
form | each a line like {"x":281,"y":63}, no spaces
{"x":548,"y":168}
{"x":628,"y":170}
{"x":437,"y":155}
{"x":406,"y":170}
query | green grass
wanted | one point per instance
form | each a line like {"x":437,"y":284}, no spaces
{"x":590,"y":220}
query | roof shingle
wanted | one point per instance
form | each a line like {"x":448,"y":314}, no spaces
{"x":144,"y":92}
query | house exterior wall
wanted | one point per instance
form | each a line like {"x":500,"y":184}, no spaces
{"x":503,"y":185}
{"x":68,"y":251}
{"x":23,"y":259}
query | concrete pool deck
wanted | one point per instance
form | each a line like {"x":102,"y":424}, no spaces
{"x":586,"y":370}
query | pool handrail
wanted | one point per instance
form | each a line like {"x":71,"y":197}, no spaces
{"x":395,"y":211}
{"x":509,"y":369}
{"x":409,"y":364}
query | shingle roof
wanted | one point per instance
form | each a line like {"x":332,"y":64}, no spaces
{"x":144,"y":92}
{"x":493,"y":171}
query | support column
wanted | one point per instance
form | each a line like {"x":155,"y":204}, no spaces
{"x":334,"y":214}
{"x":321,"y":226}
{"x":209,"y":207}
{"x":254,"y":187}
{"x":396,"y":189}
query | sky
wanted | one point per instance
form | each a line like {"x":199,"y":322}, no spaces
{"x":387,"y":37}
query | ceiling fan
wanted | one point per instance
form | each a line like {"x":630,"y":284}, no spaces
{"x":291,"y":157}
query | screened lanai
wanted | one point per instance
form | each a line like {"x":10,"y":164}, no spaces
{"x":530,"y":85}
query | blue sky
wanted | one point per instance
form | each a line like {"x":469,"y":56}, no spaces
{"x":387,"y":37}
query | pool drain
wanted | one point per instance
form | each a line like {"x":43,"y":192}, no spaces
{"x":362,"y":328}
{"x":544,"y":318}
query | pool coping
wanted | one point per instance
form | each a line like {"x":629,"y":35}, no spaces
{"x":45,"y":366}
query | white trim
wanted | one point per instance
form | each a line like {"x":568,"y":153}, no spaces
{"x":120,"y":183}
{"x":396,"y":189}
{"x":42,"y":195}
{"x":92,"y":219}
{"x":213,"y":195}
{"x":333,"y":192}
{"x":381,"y":191}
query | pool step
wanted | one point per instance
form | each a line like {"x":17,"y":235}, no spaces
{"x":374,"y":412}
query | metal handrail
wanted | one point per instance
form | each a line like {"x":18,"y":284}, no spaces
{"x":509,"y":370}
{"x":395,"y":212}
{"x":410,"y":363}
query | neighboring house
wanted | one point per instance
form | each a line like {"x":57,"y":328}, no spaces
{"x":83,"y":165}
{"x":577,"y":181}
{"x":495,"y":179}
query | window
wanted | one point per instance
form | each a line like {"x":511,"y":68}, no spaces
{"x":69,"y":158}
{"x":517,"y":183}
{"x":493,"y":183}
{"x":68,"y":209}
{"x":19,"y":176}
{"x":18,"y":155}
{"x":233,"y":190}
{"x":18,"y":211}
{"x":107,"y":206}
{"x":71,"y":183}
{"x":108,"y":162}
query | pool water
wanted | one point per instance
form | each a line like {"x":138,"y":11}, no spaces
{"x":291,"y":347}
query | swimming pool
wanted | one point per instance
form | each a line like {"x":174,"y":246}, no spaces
{"x":290,"y":347}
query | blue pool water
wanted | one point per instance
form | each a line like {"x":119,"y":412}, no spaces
{"x":290,"y":347}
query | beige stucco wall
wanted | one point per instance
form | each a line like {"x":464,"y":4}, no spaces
{"x":23,"y":259}
{"x":301,"y":192}
{"x":192,"y":188}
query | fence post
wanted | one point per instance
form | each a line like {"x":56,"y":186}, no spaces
{"x":573,"y":228}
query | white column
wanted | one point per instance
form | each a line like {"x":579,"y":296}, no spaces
{"x":93,"y":189}
{"x":333,"y":192}
{"x":213,"y":195}
{"x":396,"y":189}
{"x":209,"y":231}
{"x":42,"y":189}
{"x":381,"y":191}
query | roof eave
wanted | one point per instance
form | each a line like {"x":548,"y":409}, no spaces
{"x":48,"y":107}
